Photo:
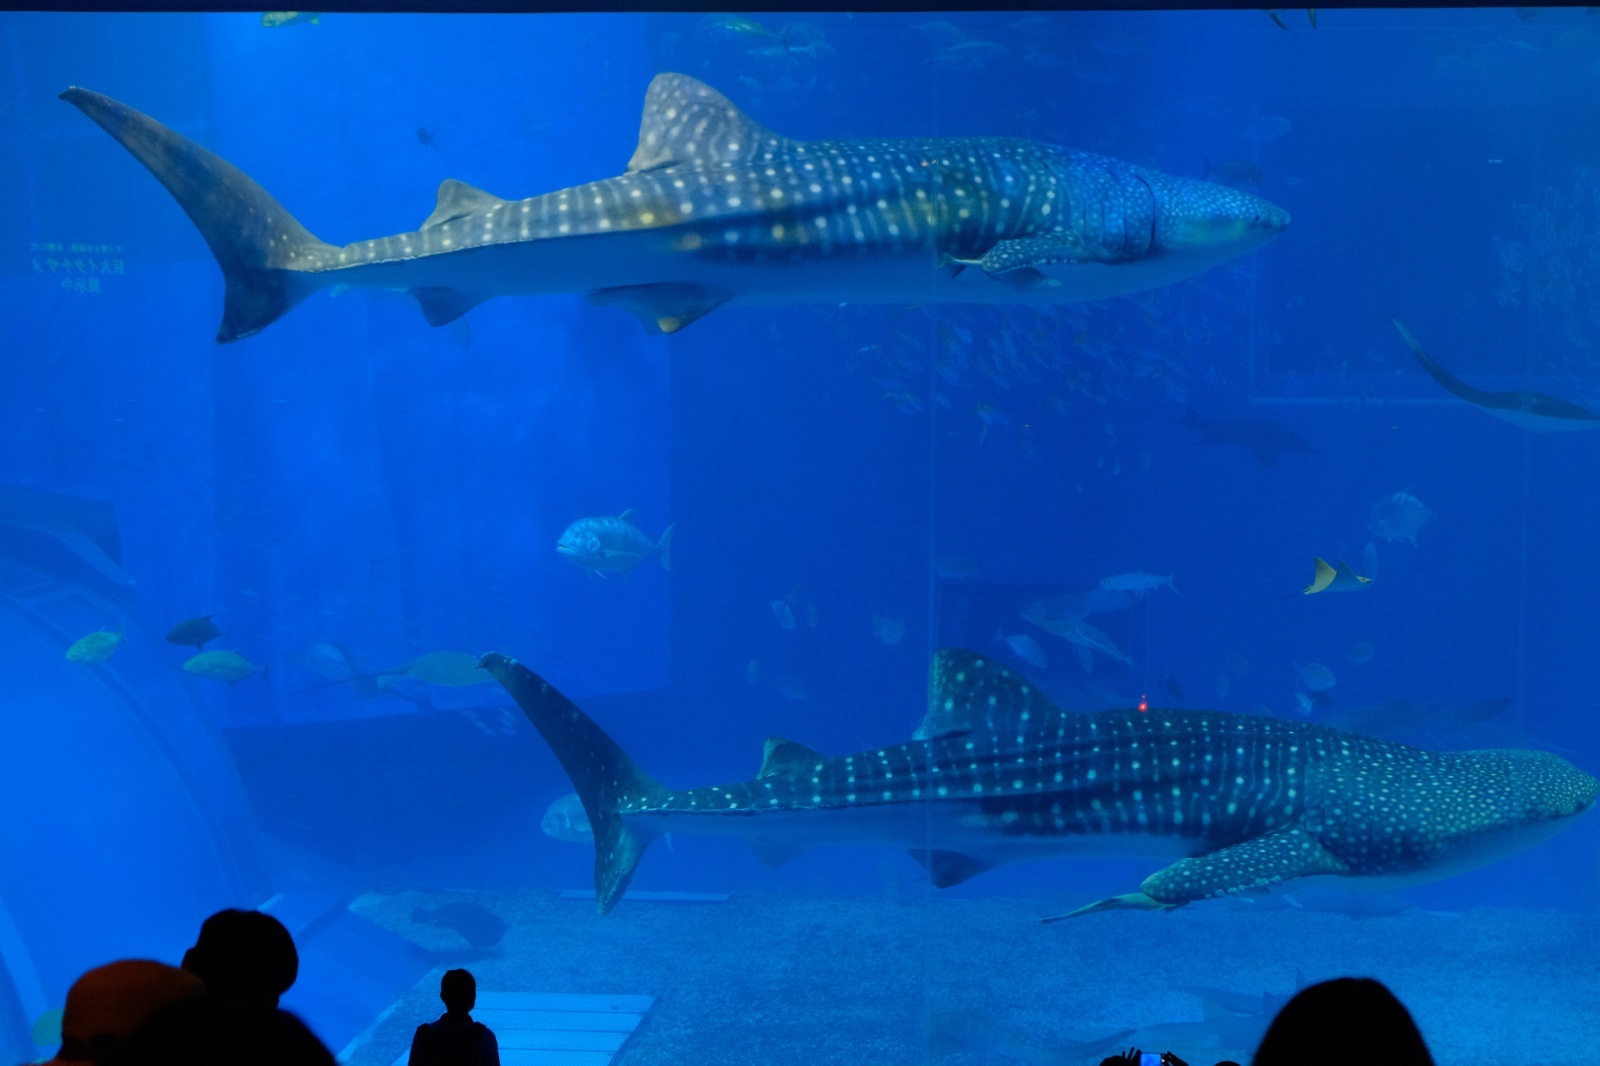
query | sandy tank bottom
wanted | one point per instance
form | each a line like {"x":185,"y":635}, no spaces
{"x":776,"y":978}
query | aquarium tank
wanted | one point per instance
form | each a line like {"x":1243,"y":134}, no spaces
{"x":808,"y":536}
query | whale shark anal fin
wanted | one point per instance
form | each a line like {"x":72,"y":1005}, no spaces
{"x":947,"y":868}
{"x":666,"y":307}
{"x":442,"y":305}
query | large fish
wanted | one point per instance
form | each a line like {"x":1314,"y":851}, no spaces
{"x":714,"y":208}
{"x":1242,"y":803}
{"x":1537,"y":411}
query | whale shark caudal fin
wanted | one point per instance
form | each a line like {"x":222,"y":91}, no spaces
{"x":258,"y":244}
{"x":601,"y":771}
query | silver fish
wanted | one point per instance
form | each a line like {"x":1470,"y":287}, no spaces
{"x":1398,"y":516}
{"x":607,"y":545}
{"x":565,"y":819}
{"x":1137,"y":582}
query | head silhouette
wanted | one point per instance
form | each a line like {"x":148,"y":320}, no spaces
{"x":1350,"y":1021}
{"x":108,"y":1003}
{"x":458,"y":990}
{"x":246,"y":958}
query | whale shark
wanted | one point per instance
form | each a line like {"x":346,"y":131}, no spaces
{"x":1241,"y":803}
{"x":1537,"y":411}
{"x":714,"y":208}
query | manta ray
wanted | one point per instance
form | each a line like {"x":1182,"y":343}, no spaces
{"x":714,"y":208}
{"x":1240,"y":803}
{"x":1530,"y":410}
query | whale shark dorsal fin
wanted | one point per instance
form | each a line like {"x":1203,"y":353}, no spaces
{"x":457,"y":199}
{"x":687,"y":120}
{"x":781,"y":756}
{"x":969,"y":691}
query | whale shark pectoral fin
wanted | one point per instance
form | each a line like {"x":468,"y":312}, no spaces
{"x":1019,"y":264}
{"x":663,"y":308}
{"x":946,"y":868}
{"x":1135,"y":901}
{"x":1031,"y":253}
{"x":1257,"y":863}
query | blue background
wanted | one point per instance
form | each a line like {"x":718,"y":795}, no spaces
{"x":353,"y":475}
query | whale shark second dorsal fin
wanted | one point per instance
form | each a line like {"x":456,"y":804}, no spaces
{"x":687,"y":120}
{"x":782,"y":756}
{"x":457,"y":199}
{"x":971,"y":692}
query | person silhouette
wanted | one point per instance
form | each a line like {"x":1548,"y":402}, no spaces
{"x":246,"y":959}
{"x":1349,"y":1021}
{"x":455,"y":1039}
{"x":109,"y":1003}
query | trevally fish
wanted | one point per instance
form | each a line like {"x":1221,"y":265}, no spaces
{"x":274,"y":19}
{"x":888,"y":628}
{"x":194,"y":632}
{"x":97,"y":647}
{"x":1025,"y":648}
{"x":1242,"y":803}
{"x":1317,"y":678}
{"x":1088,"y":638}
{"x":1078,"y":605}
{"x":1398,"y":516}
{"x":607,"y":545}
{"x":227,"y":666}
{"x":565,"y":820}
{"x":450,"y":669}
{"x":714,"y":208}
{"x":1138,"y":583}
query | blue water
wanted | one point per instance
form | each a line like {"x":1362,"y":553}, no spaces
{"x":352,"y":475}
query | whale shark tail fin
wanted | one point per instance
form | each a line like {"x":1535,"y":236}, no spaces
{"x":263,"y":251}
{"x":605,"y":777}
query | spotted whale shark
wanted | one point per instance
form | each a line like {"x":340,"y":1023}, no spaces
{"x":714,"y":208}
{"x":997,"y":773}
